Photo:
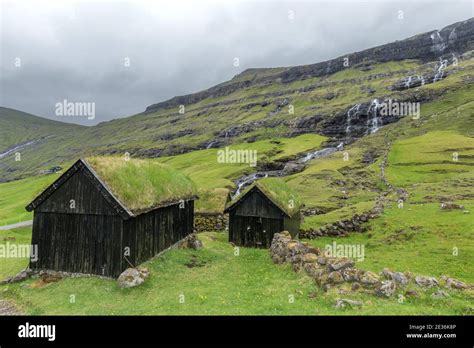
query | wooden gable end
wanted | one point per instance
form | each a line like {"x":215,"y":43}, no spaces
{"x":255,"y":203}
{"x":77,"y":195}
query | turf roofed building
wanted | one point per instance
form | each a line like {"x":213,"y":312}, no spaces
{"x":105,"y":214}
{"x":267,"y":207}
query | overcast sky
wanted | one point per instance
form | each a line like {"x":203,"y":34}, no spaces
{"x":79,"y":50}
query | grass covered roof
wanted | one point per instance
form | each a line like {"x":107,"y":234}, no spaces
{"x":279,"y":193}
{"x":142,"y":184}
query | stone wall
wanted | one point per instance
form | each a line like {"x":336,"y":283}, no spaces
{"x":342,"y":227}
{"x":210,"y":222}
{"x":329,"y":272}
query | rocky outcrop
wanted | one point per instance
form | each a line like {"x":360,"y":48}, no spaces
{"x":456,"y":38}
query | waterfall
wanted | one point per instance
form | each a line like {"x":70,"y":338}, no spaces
{"x":408,"y":82}
{"x":443,"y":63}
{"x":210,"y":144}
{"x":372,"y":119}
{"x":247,"y":180}
{"x":422,"y":79}
{"x":350,"y":113}
{"x":438,"y":42}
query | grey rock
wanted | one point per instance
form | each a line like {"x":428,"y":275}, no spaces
{"x":132,"y":277}
{"x":343,"y":302}
{"x":439,"y":294}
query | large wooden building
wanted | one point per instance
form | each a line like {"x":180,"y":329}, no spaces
{"x":267,"y":207}
{"x":105,"y":214}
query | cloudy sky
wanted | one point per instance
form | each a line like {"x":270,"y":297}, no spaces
{"x":126,"y":55}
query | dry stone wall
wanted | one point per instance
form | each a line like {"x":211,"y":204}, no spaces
{"x":329,"y":272}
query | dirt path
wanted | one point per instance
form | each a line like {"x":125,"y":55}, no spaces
{"x":8,"y":308}
{"x":18,"y":224}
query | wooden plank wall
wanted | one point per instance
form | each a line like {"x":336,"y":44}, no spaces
{"x":152,"y":232}
{"x":94,"y":244}
{"x":248,"y":231}
{"x":77,"y":243}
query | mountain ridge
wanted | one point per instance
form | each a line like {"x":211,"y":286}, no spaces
{"x":438,"y":44}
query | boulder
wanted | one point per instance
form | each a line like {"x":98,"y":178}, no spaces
{"x":293,"y":167}
{"x":426,"y":282}
{"x":355,"y":286}
{"x":343,"y":302}
{"x":451,"y":206}
{"x":386,"y":288}
{"x":456,"y":284}
{"x":132,"y":277}
{"x":321,"y":260}
{"x":399,"y":278}
{"x":341,"y":264}
{"x":190,"y":242}
{"x":439,"y":294}
{"x":335,"y":277}
{"x":309,"y":258}
{"x":19,"y":277}
{"x":350,"y":275}
{"x":411,"y":293}
{"x":369,"y":279}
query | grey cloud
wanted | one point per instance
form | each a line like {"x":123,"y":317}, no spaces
{"x":76,"y":50}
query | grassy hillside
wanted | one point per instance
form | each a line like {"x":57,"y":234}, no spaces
{"x":426,"y":161}
{"x":214,"y":281}
{"x":264,"y":108}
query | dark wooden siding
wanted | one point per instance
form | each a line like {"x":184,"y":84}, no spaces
{"x":88,"y":199}
{"x":255,"y":219}
{"x":251,"y":231}
{"x":256,"y":204}
{"x":148,"y":234}
{"x":77,"y":243}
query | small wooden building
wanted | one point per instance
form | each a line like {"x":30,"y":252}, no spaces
{"x":267,"y":207}
{"x":105,"y":214}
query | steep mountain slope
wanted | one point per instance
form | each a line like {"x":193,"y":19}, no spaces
{"x":331,"y":98}
{"x":33,"y":138}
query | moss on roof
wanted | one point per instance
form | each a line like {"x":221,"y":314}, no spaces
{"x":278,"y":191}
{"x":142,"y":184}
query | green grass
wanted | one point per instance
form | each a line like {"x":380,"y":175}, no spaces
{"x":11,"y":266}
{"x":222,"y":284}
{"x":429,"y":158}
{"x":141,"y":184}
{"x":317,"y":221}
{"x":16,"y":195}
{"x":419,"y":238}
{"x":214,"y":179}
